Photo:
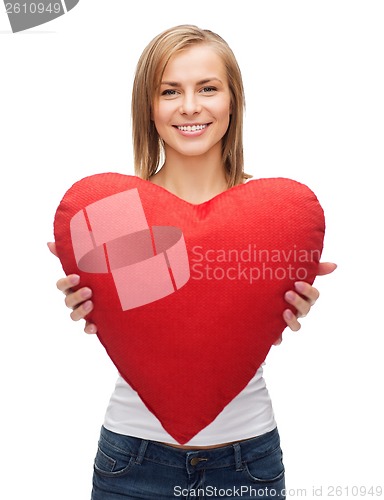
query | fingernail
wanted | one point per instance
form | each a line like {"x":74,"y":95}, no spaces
{"x":290,"y":296}
{"x":86,"y":293}
{"x":91,"y":329}
{"x":300,"y":286}
{"x":74,"y":279}
{"x":288,"y":315}
{"x":87,"y":305}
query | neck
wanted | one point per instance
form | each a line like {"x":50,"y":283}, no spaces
{"x":194,"y":179}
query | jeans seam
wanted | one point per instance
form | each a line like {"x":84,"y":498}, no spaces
{"x":117,"y":448}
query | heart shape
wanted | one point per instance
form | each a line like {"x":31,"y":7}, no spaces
{"x":188,"y":299}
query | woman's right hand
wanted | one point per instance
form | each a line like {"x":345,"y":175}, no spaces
{"x":80,"y":300}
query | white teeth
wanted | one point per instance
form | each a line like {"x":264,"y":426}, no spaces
{"x":192,"y":128}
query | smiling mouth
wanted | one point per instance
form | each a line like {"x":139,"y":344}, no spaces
{"x":192,"y":128}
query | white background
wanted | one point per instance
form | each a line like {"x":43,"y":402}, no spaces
{"x":314,"y":80}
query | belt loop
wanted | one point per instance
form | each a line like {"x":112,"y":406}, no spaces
{"x":237,"y":450}
{"x":142,"y":450}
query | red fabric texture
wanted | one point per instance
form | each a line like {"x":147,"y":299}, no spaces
{"x":188,"y":299}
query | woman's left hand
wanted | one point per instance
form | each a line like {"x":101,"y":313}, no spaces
{"x":303,"y":298}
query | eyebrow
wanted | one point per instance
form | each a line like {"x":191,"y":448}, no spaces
{"x":201,"y":82}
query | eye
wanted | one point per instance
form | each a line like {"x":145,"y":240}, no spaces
{"x":169,"y":92}
{"x":208,"y":90}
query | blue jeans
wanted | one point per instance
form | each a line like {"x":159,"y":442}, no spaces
{"x":128,"y":467}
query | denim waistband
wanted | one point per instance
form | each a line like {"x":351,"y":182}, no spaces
{"x":223,"y":456}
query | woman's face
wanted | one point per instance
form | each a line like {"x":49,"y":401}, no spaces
{"x":192,"y":106}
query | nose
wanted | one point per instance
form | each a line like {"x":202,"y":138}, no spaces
{"x":190,"y":104}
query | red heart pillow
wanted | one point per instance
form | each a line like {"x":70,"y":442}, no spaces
{"x":188,"y":299}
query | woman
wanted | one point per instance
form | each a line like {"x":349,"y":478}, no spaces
{"x":187,"y":115}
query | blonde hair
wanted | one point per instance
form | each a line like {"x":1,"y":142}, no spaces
{"x":147,"y":144}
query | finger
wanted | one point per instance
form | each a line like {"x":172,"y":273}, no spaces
{"x":326,"y":268}
{"x":302,"y":305}
{"x":65,"y":284}
{"x":291,"y":320}
{"x":309,"y":292}
{"x":82,"y":310}
{"x":278,"y":341}
{"x":90,"y":328}
{"x":52,"y":248}
{"x":75,"y":299}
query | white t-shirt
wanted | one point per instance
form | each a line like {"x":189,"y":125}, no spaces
{"x":249,"y":414}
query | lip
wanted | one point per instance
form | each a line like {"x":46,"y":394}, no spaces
{"x":192,"y":133}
